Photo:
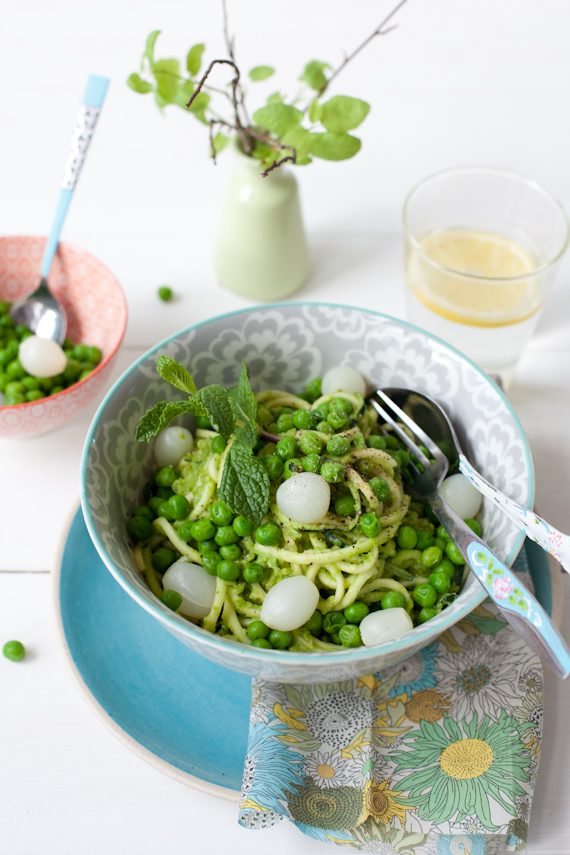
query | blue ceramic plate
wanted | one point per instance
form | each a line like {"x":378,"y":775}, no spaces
{"x":181,"y":713}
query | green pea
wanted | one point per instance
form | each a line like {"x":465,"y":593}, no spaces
{"x":349,"y":636}
{"x":206,"y":546}
{"x":3,"y":381}
{"x":261,"y":642}
{"x":94,"y":355}
{"x":166,"y":476}
{"x":71,"y":371}
{"x":356,"y":612}
{"x":338,"y":445}
{"x":13,"y":399}
{"x":221,"y":514}
{"x":310,"y":443}
{"x":332,"y":471}
{"x":284,"y":423}
{"x":393,"y":600}
{"x":429,"y":512}
{"x":304,"y":397}
{"x":228,"y":571}
{"x":446,"y":566}
{"x":154,"y":503}
{"x":391,"y":442}
{"x":15,"y":370}
{"x":280,"y":640}
{"x":286,"y":448}
{"x":341,"y":405}
{"x":407,"y":537}
{"x":431,"y":556}
{"x":273,"y":465}
{"x":242,"y":526}
{"x":312,"y":463}
{"x":34,"y":395}
{"x":14,"y":650}
{"x":139,"y":528}
{"x":333,"y":621}
{"x":165,"y":492}
{"x":441,"y":532}
{"x":304,"y":420}
{"x":80,"y":352}
{"x":162,"y":559}
{"x":179,"y":507}
{"x":230,"y":552}
{"x":165,"y":293}
{"x":4,"y":306}
{"x":210,"y":562}
{"x":380,"y":488}
{"x":292,"y":467}
{"x":474,"y":526}
{"x":315,"y":623}
{"x":282,"y":411}
{"x":30,"y":383}
{"x":164,"y":511}
{"x":203,"y":423}
{"x":324,"y":427}
{"x":425,"y":539}
{"x":257,"y":629}
{"x":453,"y":553}
{"x":5,"y":356}
{"x":313,"y":388}
{"x":440,"y":581}
{"x":426,"y":613}
{"x":344,"y":506}
{"x":218,"y":444}
{"x":440,"y":543}
{"x":203,"y":530}
{"x":46,"y":383}
{"x":337,"y":420}
{"x":6,"y":322}
{"x":322,"y":411}
{"x":12,"y":348}
{"x":143,"y":511}
{"x":253,"y":573}
{"x":370,"y":525}
{"x":172,"y":599}
{"x":15,"y":387}
{"x":225,"y":535}
{"x":376,"y":442}
{"x":424,"y":595}
{"x":268,"y":534}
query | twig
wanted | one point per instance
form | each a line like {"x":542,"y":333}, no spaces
{"x":235,"y":82}
{"x":230,"y":47}
{"x":377,"y":32}
{"x":276,"y":163}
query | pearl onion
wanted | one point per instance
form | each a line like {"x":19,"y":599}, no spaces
{"x":290,"y":603}
{"x":196,"y":587}
{"x":341,"y":378}
{"x":463,"y":497}
{"x":41,"y":357}
{"x":171,"y":445}
{"x":305,"y":497}
{"x":385,"y":625}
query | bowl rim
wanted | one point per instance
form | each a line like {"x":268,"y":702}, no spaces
{"x":105,"y":361}
{"x":422,"y":635}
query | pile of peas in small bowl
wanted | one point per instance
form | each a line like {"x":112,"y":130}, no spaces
{"x":17,"y":385}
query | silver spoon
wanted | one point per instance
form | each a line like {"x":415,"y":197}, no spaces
{"x":40,"y":311}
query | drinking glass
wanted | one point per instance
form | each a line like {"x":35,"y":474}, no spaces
{"x":481,"y":250}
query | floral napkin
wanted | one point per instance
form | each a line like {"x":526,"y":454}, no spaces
{"x":437,"y":754}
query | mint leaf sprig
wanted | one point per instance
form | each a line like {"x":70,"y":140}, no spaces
{"x":244,"y":485}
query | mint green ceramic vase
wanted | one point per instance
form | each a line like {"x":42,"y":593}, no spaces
{"x":261,"y":251}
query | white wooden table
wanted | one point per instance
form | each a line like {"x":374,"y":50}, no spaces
{"x":67,"y":786}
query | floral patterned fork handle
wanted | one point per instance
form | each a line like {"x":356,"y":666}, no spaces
{"x":537,"y":529}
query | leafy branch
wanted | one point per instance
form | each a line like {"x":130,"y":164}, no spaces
{"x":319,"y":130}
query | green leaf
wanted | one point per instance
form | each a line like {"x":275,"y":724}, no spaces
{"x":220,"y":142}
{"x":245,"y":484}
{"x":194,"y":59}
{"x":334,"y":146}
{"x":341,"y":113}
{"x":302,"y":161}
{"x":167,"y":75}
{"x":175,"y":374}
{"x":261,"y":72}
{"x":161,"y":415}
{"x":301,"y":140}
{"x":149,"y":50}
{"x":199,"y":105}
{"x":278,"y":118}
{"x":246,"y":406}
{"x":219,"y":407}
{"x":183,"y":93}
{"x":313,"y":74}
{"x":138,"y":84}
{"x":276,"y":98}
{"x":315,"y":109}
{"x":161,"y":102}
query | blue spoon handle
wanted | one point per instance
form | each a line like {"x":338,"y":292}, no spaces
{"x":86,"y":120}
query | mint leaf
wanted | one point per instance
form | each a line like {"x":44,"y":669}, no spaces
{"x":194,"y":59}
{"x":246,"y":407}
{"x":138,"y":84}
{"x":334,"y":146}
{"x":175,"y":374}
{"x":245,"y":484}
{"x":341,"y":113}
{"x":313,"y":74}
{"x":261,"y":72}
{"x":219,"y":407}
{"x":149,"y":50}
{"x":161,"y":415}
{"x":278,"y":118}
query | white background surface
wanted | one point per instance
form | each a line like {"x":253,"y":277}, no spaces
{"x":476,"y":82}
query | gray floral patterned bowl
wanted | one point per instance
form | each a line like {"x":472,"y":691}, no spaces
{"x":285,"y":346}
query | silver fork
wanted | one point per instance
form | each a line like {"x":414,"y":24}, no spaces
{"x":516,"y":603}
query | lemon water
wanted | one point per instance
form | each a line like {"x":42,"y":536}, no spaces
{"x":476,"y":290}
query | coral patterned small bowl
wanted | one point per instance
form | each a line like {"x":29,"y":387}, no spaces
{"x":285,"y":346}
{"x":96,"y":315}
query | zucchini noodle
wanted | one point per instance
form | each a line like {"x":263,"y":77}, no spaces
{"x":347,"y":565}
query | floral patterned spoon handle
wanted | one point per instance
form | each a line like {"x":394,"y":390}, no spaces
{"x":537,"y":529}
{"x":516,"y":603}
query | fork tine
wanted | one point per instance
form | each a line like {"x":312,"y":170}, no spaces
{"x":415,"y":428}
{"x":401,"y":433}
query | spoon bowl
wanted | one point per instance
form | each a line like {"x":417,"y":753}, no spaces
{"x":42,"y":313}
